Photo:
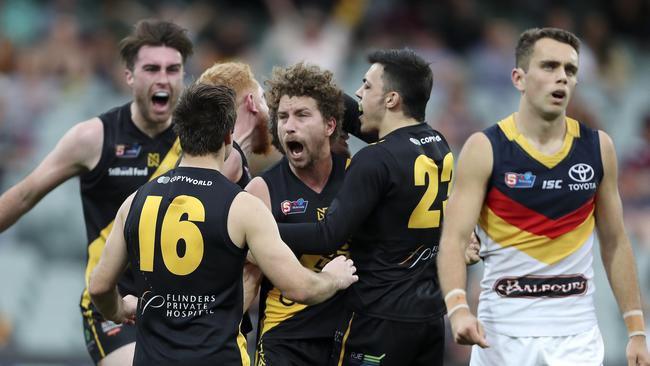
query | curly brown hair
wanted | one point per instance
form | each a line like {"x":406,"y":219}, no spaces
{"x":305,"y":80}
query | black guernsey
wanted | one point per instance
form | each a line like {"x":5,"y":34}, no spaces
{"x":294,"y":202}
{"x":245,"y":171}
{"x":391,"y":207}
{"x":188,"y":271}
{"x":129,"y":159}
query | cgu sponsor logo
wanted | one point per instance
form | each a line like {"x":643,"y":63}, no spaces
{"x":541,"y":286}
{"x":420,"y":255}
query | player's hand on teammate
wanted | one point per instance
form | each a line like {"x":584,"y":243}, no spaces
{"x":467,"y":329}
{"x":126,"y":311}
{"x":637,"y":352}
{"x":343,"y":270}
{"x":471,"y":251}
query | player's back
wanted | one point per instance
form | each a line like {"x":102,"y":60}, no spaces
{"x":188,"y":271}
{"x":395,"y":246}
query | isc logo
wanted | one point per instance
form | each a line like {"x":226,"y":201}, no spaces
{"x":552,"y":184}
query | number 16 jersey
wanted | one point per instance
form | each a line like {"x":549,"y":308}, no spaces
{"x":188,"y":272}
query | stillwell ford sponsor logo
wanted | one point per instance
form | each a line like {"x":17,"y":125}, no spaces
{"x":541,"y":286}
{"x":582,"y":174}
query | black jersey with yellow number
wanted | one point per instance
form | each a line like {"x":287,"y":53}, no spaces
{"x":188,"y":273}
{"x":294,"y":202}
{"x":129,"y":159}
{"x":391,"y":206}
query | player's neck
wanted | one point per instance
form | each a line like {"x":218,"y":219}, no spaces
{"x":149,"y":128}
{"x":210,"y":161}
{"x":547,"y":136}
{"x":316,"y":175}
{"x":393,"y":121}
{"x":243,"y":130}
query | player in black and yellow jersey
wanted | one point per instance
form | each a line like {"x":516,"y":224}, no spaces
{"x":307,"y":109}
{"x":113,"y":155}
{"x":185,"y":236}
{"x":251,"y":133}
{"x":390,"y":206}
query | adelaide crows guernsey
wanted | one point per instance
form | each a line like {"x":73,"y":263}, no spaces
{"x":188,"y":273}
{"x":129,"y":159}
{"x":292,"y":202}
{"x":537,"y":231}
{"x":391,"y":207}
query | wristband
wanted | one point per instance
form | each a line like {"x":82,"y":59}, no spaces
{"x":634,"y":322}
{"x":455,"y":297}
{"x":637,"y":333}
{"x":456,"y":308}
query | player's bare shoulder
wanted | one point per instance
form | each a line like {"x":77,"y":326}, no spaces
{"x":85,"y":141}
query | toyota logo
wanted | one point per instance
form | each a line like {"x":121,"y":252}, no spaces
{"x":581,"y":173}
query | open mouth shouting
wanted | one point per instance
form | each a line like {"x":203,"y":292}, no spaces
{"x":160,"y":101}
{"x":294,"y":149}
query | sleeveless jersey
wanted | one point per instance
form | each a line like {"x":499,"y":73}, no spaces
{"x":245,"y":171}
{"x":129,"y":159}
{"x":293,"y":202}
{"x":537,"y":231}
{"x":392,"y":204}
{"x":188,"y":272}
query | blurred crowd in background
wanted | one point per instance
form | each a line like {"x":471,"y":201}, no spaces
{"x":59,"y":64}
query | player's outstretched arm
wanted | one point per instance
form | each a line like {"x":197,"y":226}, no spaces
{"x":111,"y":265}
{"x":251,"y":223}
{"x":617,"y":255}
{"x":463,"y":208}
{"x":77,"y":151}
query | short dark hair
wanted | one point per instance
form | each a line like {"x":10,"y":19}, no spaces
{"x":528,"y":38}
{"x":407,"y":74}
{"x":153,"y":32}
{"x":204,"y":116}
{"x":305,"y":80}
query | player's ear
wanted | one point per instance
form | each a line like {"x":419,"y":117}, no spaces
{"x":518,"y":77}
{"x":249,"y":101}
{"x":128,"y":74}
{"x":330,"y":126}
{"x":392,"y":100}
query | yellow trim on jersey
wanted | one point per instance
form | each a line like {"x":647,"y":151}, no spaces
{"x":276,"y":311}
{"x":509,"y":128}
{"x":243,"y":349}
{"x":91,"y":323}
{"x":345,"y":339}
{"x":539,"y":247}
{"x":96,"y":248}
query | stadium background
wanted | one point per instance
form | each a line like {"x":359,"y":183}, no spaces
{"x":59,"y":65}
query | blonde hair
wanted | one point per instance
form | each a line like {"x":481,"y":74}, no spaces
{"x":235,"y":75}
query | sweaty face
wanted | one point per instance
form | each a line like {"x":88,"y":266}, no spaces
{"x":551,"y":78}
{"x":157,"y":81}
{"x":371,"y":94}
{"x":302,"y":131}
{"x":261,"y":139}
